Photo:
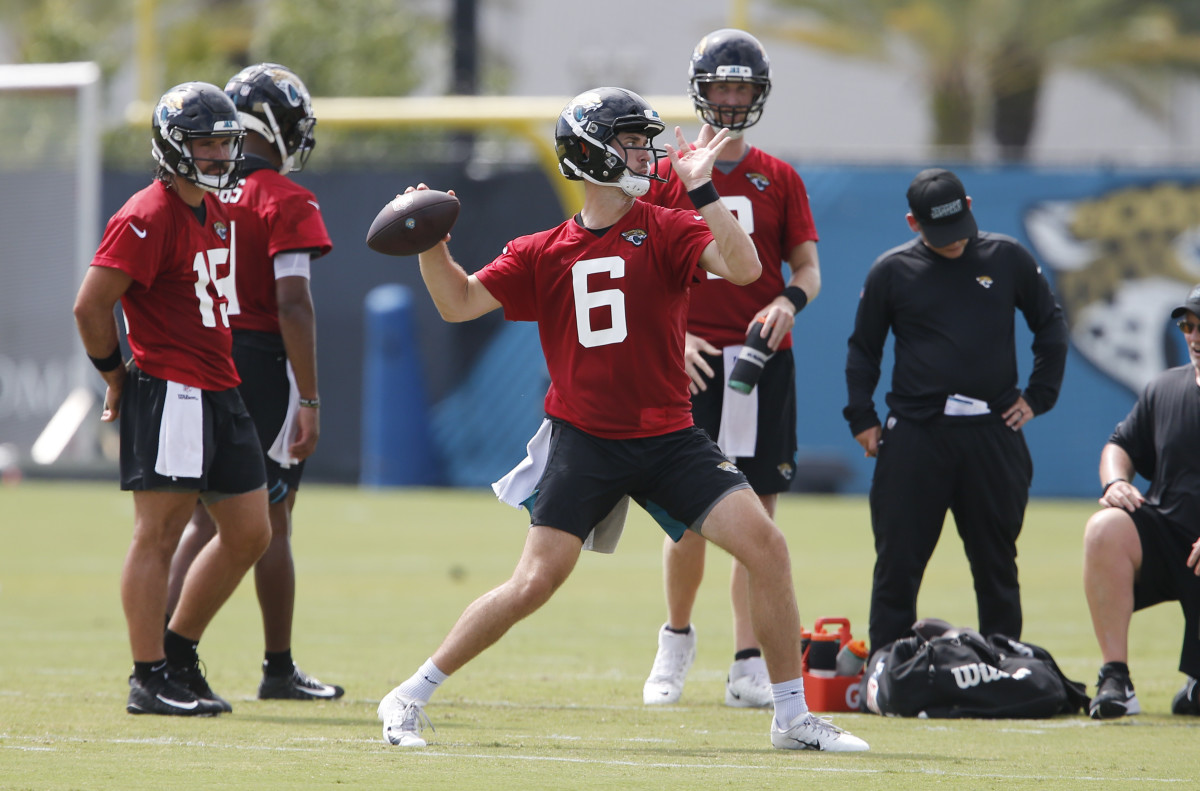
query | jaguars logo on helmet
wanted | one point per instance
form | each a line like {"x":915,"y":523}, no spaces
{"x":585,"y":139}
{"x":188,"y":112}
{"x":272,"y":101}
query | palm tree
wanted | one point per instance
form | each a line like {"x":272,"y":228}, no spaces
{"x":986,"y":60}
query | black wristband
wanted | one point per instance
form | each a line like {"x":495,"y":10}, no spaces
{"x":110,"y":363}
{"x":796,"y":296}
{"x":1108,"y":485}
{"x":311,"y":403}
{"x":703,"y":195}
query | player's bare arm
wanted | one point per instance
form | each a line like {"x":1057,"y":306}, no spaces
{"x":780,"y":315}
{"x":1116,"y":465}
{"x":457,"y":295}
{"x":732,"y":254}
{"x":101,"y":288}
{"x":297,"y":327}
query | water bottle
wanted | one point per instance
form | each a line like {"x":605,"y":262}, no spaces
{"x":751,"y":359}
{"x":852,"y":658}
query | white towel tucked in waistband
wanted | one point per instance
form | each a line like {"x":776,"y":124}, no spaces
{"x":287,"y":432}
{"x":181,"y":433}
{"x":738,"y":435}
{"x":517,"y":486}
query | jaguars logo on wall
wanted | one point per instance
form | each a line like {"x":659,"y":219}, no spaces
{"x":1121,"y":261}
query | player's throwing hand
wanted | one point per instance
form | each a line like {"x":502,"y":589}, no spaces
{"x":694,"y":163}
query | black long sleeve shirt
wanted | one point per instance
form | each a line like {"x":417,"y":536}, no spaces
{"x":954,"y":329}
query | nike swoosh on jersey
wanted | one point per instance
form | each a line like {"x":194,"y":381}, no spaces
{"x":315,"y":205}
{"x":140,"y":233}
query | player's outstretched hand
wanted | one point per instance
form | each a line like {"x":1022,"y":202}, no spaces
{"x":694,"y":163}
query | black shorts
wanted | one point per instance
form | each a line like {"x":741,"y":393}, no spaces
{"x":262,"y":364}
{"x":233,"y":461}
{"x":676,"y":477}
{"x":1165,"y":576}
{"x":773,"y":466}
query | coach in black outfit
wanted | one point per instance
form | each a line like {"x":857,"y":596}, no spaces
{"x":953,"y":434}
{"x":1140,"y":550}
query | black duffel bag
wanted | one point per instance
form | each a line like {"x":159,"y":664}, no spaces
{"x":962,"y":674}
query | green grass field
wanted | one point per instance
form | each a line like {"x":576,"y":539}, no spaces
{"x":557,"y":704}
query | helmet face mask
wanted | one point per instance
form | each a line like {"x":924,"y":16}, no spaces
{"x":729,"y":56}
{"x":272,"y":101}
{"x":194,"y":111}
{"x":586,"y":139}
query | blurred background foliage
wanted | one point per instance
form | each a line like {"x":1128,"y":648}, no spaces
{"x":983,"y":63}
{"x":359,"y":48}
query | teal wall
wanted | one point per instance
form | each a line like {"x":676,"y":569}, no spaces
{"x":1120,"y":247}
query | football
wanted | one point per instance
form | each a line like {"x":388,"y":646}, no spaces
{"x":413,"y":222}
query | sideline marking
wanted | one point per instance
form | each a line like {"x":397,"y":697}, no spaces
{"x":417,"y":753}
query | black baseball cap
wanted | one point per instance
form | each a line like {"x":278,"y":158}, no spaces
{"x":1192,"y":304}
{"x":939,"y":202}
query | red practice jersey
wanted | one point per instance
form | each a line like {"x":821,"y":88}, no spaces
{"x":269,"y":214}
{"x":175,"y":309}
{"x":611,"y":312}
{"x":770,"y":201}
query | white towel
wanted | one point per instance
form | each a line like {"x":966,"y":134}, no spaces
{"x":605,"y":536}
{"x":738,"y":434}
{"x":181,"y":433}
{"x":517,"y":486}
{"x":287,"y":432}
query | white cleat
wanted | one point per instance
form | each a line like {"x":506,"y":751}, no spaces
{"x":403,"y":720}
{"x":676,"y":652}
{"x":748,"y":686}
{"x":807,"y":732}
{"x":391,"y":703}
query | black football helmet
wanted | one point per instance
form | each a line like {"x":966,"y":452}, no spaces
{"x":190,"y":111}
{"x":729,"y":55}
{"x":585,"y":138}
{"x":273,"y":101}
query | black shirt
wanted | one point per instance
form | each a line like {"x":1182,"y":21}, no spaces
{"x":953,"y":324}
{"x":1162,"y":436}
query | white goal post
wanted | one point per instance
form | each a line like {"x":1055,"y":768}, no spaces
{"x":50,"y":121}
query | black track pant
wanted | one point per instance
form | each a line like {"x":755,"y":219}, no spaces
{"x":980,"y":472}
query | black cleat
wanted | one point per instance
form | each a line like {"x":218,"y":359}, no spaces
{"x":159,"y":694}
{"x":192,"y":679}
{"x":1187,"y":700}
{"x":298,"y":686}
{"x":1114,"y":695}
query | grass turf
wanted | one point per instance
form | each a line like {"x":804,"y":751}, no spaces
{"x":557,"y":703}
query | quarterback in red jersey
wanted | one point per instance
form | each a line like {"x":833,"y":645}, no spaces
{"x":609,"y":289}
{"x":276,"y":229}
{"x":185,"y":432}
{"x":730,"y":78}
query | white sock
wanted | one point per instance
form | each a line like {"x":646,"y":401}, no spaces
{"x":789,"y":702}
{"x":422,"y":684}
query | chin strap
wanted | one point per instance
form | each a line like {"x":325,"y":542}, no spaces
{"x":633,"y":186}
